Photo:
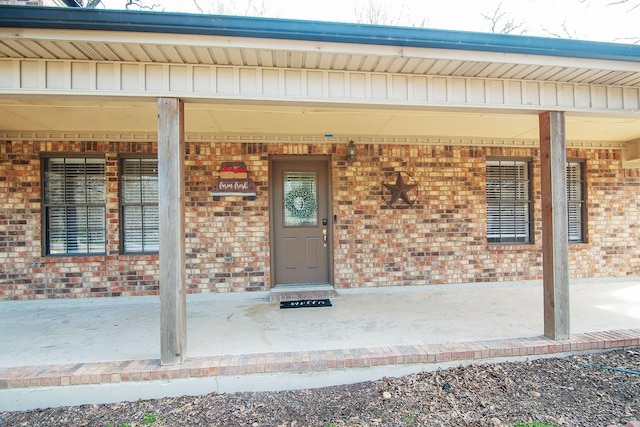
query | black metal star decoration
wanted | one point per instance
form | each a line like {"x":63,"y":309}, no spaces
{"x":400,"y":190}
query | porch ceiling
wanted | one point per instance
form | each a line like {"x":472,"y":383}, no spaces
{"x":56,"y":44}
{"x":304,"y":45}
{"x":117,"y":116}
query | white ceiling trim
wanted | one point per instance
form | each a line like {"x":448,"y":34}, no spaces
{"x":206,"y":138}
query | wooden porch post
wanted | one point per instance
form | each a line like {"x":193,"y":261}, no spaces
{"x":173,"y":306}
{"x":555,"y":239}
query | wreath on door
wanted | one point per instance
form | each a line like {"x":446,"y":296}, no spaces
{"x":301,"y":202}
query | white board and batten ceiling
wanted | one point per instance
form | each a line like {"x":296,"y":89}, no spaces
{"x":299,"y":88}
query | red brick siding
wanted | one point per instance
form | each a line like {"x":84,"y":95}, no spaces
{"x":613,"y":198}
{"x":24,"y":272}
{"x":440,"y":239}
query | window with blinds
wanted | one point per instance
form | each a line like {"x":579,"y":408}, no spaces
{"x":74,"y":206}
{"x":576,"y":205}
{"x":139,"y":205}
{"x":508,"y":201}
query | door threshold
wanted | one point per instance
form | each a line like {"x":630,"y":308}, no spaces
{"x":298,"y":291}
{"x":303,"y":286}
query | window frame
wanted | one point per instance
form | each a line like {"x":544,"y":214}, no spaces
{"x":122,"y":206}
{"x":500,"y":240}
{"x":582,"y":201}
{"x":46,"y":236}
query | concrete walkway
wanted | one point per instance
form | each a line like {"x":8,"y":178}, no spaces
{"x":60,"y":352}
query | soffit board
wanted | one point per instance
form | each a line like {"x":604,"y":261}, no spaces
{"x":101,"y":46}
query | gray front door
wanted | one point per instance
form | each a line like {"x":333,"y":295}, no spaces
{"x":301,"y":223}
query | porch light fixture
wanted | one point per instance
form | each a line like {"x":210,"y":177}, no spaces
{"x":352,"y":151}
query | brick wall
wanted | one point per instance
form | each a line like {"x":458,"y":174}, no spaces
{"x":440,"y":239}
{"x":614,"y":219}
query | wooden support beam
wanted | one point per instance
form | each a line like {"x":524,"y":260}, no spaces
{"x":555,"y":239}
{"x":173,"y":306}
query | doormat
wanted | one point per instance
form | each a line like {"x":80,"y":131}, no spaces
{"x":306,"y":303}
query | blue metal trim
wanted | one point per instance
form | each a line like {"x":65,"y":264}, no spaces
{"x":289,"y":29}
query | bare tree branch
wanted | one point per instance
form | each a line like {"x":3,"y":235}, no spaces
{"x":140,"y":5}
{"x":380,"y":13}
{"x":228,"y":7}
{"x":619,"y":2}
{"x":564,"y":34}
{"x":252,"y":8}
{"x":501,"y":23}
{"x":628,"y":40}
{"x":374,"y":13}
{"x":91,"y":4}
{"x":255,"y":9}
{"x":198,"y":6}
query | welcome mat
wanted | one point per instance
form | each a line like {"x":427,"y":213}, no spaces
{"x":324,"y":302}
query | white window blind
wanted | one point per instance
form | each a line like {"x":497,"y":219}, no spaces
{"x":139,"y":204}
{"x":575,"y":201}
{"x":508,"y":201}
{"x":74,"y":206}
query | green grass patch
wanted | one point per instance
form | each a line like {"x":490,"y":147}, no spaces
{"x":147,"y":420}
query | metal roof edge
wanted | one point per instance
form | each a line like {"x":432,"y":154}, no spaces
{"x":290,"y":29}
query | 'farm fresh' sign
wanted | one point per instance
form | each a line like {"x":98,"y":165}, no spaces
{"x":233,"y":180}
{"x":234,"y":186}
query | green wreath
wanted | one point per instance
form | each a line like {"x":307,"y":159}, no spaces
{"x":301,"y":202}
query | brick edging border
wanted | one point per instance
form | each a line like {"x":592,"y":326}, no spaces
{"x":307,"y":361}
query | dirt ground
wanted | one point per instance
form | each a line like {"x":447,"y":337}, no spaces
{"x":600,"y":389}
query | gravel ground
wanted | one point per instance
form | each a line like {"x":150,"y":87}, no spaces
{"x":601,"y":389}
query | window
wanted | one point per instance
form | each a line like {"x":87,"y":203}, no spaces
{"x":576,"y":206}
{"x":508,"y":201}
{"x":139,"y":205}
{"x":300,"y":199}
{"x":74,"y":206}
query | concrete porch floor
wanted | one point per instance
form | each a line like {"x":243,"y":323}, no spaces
{"x":68,"y":352}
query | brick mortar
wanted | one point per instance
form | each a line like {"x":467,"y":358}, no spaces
{"x":439,"y":240}
{"x":310,"y":361}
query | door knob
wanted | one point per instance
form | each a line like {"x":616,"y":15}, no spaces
{"x":324,"y":237}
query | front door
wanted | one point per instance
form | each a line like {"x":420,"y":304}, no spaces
{"x":301,"y":223}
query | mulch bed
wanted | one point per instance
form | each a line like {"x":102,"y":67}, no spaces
{"x":579,"y":390}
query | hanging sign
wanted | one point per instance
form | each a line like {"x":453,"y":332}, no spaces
{"x":233,"y":180}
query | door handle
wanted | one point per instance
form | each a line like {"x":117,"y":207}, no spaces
{"x":324,"y":237}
